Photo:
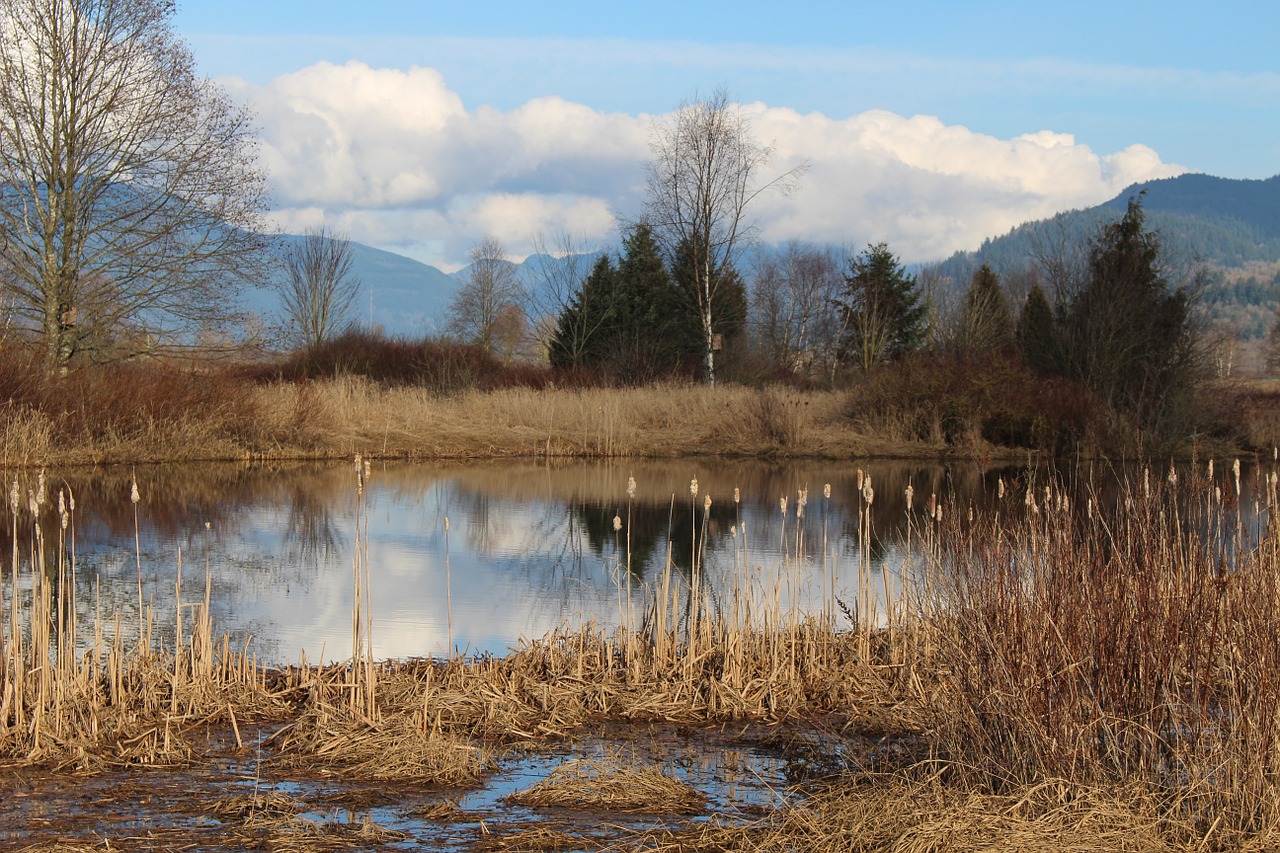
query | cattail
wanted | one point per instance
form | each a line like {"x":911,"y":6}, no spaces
{"x":782,"y":504}
{"x":971,"y":513}
{"x":937,"y":512}
{"x":133,"y":493}
{"x":693,"y":487}
{"x":1217,"y":494}
{"x":1173,"y":474}
{"x":859,"y":479}
{"x":446,"y":524}
{"x":14,"y":496}
{"x":737,"y":496}
{"x":1210,"y":469}
{"x":32,"y":505}
{"x":706,"y":504}
{"x":631,"y":487}
{"x":1235,"y":469}
{"x":62,"y":509}
{"x":868,"y":493}
{"x":733,"y":531}
{"x":617,"y":523}
{"x":933,"y":503}
{"x":1000,"y":488}
{"x":909,"y":493}
{"x":826,"y":491}
{"x":40,"y":491}
{"x":802,"y":500}
{"x":1089,"y":509}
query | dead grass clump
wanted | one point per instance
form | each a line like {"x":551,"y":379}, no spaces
{"x":932,"y":816}
{"x":396,"y":748}
{"x":266,"y":808}
{"x":303,"y":836}
{"x":611,"y":784}
{"x":531,"y":839}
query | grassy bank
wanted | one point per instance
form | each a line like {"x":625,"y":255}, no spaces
{"x":923,"y":407}
{"x":1055,"y":677}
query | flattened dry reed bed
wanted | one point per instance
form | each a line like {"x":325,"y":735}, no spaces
{"x":1082,"y":678}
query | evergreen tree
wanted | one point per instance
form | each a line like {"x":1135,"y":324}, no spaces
{"x":641,"y":344}
{"x":882,"y":314}
{"x":587,"y":324}
{"x":985,"y":323}
{"x":1129,"y":335}
{"x":1037,"y":335}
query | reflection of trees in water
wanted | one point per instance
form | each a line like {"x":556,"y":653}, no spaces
{"x":649,"y":528}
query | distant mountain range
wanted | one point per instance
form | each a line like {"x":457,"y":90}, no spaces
{"x":1233,"y":226}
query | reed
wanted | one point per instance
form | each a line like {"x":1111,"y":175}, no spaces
{"x":1068,"y":670}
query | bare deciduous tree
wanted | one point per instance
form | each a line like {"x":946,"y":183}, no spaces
{"x":318,"y":288}
{"x":489,"y":305}
{"x":704,"y":174}
{"x":129,"y":189}
{"x":794,"y":305}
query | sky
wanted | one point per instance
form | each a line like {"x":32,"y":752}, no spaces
{"x":422,"y":127}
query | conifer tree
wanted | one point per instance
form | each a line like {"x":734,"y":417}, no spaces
{"x":1037,"y":334}
{"x":882,"y":314}
{"x":985,"y":323}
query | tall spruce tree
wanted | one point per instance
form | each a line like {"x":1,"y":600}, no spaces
{"x":1128,"y":334}
{"x":1037,"y":334}
{"x":985,"y":323}
{"x":585,"y":327}
{"x":882,"y":314}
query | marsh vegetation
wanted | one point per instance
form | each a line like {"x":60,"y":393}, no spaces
{"x":1056,"y":666}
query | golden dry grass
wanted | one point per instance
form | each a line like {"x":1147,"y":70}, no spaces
{"x":611,"y":783}
{"x":1081,"y":682}
{"x":349,"y":415}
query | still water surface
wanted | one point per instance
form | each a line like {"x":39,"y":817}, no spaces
{"x":477,"y":557}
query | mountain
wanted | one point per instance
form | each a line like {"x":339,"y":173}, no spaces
{"x":1228,"y":228}
{"x":399,"y":294}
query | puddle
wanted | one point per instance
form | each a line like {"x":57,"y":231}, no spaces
{"x":741,"y":777}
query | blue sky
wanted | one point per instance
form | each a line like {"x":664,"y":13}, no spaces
{"x":930,"y":94}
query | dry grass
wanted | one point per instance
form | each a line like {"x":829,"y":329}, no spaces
{"x":611,"y":783}
{"x":348,"y":415}
{"x":1082,"y":679}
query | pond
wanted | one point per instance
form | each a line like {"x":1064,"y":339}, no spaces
{"x":476,"y":557}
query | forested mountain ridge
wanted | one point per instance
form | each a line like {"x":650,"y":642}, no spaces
{"x":1228,"y":228}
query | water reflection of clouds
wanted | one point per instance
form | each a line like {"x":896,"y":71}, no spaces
{"x":531,"y":547}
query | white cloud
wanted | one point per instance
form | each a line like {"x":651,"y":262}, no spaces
{"x":396,"y":159}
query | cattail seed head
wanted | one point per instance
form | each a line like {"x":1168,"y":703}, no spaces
{"x":782,"y":504}
{"x":631,"y":487}
{"x":617,"y":523}
{"x":1210,"y":469}
{"x":860,"y":479}
{"x":446,"y":524}
{"x":737,"y":496}
{"x":133,"y":492}
{"x":706,"y":503}
{"x":693,"y":487}
{"x":1172,"y":478}
{"x":910,"y":493}
{"x":868,"y":493}
{"x":826,"y":491}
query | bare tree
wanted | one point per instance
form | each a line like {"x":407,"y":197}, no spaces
{"x":129,"y":189}
{"x":704,"y":174}
{"x":489,"y":306}
{"x":559,"y":270}
{"x":794,"y":305}
{"x":318,"y":288}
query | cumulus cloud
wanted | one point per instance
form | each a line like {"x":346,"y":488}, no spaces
{"x":396,"y":159}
